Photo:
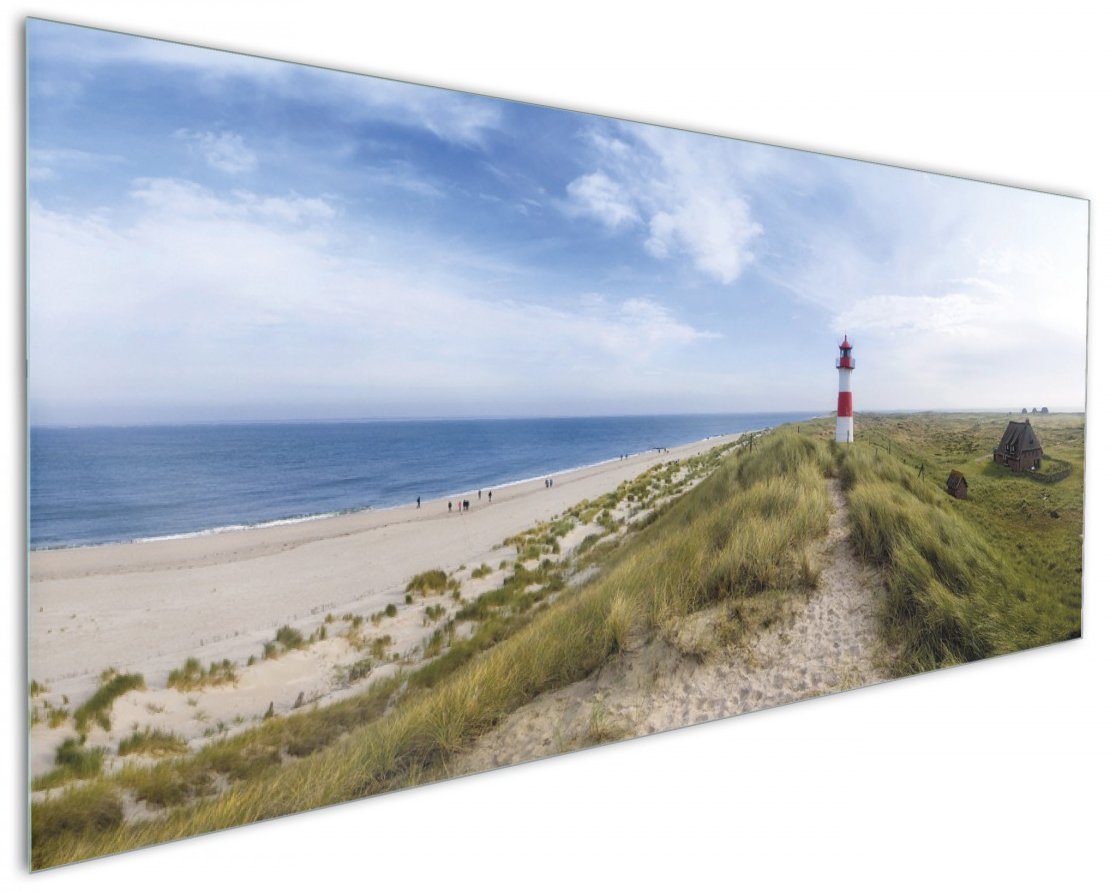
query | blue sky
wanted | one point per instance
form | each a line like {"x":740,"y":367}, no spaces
{"x":216,"y":237}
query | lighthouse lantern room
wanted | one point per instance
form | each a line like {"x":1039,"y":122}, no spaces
{"x":844,"y":364}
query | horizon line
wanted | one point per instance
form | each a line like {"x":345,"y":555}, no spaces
{"x":433,"y":418}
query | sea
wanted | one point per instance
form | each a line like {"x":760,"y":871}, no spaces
{"x":94,"y":485}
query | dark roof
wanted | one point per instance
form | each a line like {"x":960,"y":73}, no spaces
{"x":1019,"y":436}
{"x":954,"y":479}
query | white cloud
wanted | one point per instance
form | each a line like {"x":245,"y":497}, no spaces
{"x":715,"y":233}
{"x":170,"y":198}
{"x":953,"y":315}
{"x":49,"y":163}
{"x":224,"y":151}
{"x":687,"y":191}
{"x":238,"y":299}
{"x":596,"y":195}
{"x":453,"y":117}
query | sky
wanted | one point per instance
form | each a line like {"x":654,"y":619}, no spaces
{"x":219,"y":237}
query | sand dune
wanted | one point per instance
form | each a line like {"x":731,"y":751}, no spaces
{"x":146,"y":606}
{"x":826,"y":643}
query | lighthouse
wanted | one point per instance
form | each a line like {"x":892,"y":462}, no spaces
{"x":844,"y":364}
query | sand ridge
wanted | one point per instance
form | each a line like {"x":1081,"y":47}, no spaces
{"x":828,"y":642}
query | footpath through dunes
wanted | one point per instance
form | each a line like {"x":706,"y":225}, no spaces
{"x":817,"y":643}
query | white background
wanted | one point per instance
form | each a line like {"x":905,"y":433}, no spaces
{"x":992,"y":775}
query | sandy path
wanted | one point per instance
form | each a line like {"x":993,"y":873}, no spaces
{"x":827,"y":643}
{"x":146,"y":606}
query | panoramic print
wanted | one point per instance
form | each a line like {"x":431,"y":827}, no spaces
{"x":382,"y":434}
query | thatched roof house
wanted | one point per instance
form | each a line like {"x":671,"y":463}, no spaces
{"x":957,"y":485}
{"x":1019,"y":449}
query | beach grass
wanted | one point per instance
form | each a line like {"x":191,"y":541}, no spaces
{"x":995,"y":573}
{"x":72,"y":761}
{"x":430,"y":582}
{"x":152,"y":742}
{"x":707,"y":545}
{"x":98,"y":707}
{"x":968,"y":579}
{"x":193,"y":675}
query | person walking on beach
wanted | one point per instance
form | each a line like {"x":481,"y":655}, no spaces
{"x":418,"y":501}
{"x":489,"y":492}
{"x":448,"y":507}
{"x":479,"y":495}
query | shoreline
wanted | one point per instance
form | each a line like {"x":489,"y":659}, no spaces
{"x":147,"y":606}
{"x":326,"y":515}
{"x":309,"y":518}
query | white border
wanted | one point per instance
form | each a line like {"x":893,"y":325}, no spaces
{"x":991,"y":776}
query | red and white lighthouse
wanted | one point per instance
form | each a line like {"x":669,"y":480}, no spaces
{"x":844,"y":364}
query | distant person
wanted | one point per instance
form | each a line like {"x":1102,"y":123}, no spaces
{"x":466,"y":504}
{"x":489,"y":493}
{"x":418,"y":501}
{"x":479,"y":495}
{"x":448,"y":507}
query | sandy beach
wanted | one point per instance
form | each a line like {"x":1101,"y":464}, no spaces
{"x":147,"y":606}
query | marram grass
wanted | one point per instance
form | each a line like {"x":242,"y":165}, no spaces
{"x":997,"y":573}
{"x":964,"y":580}
{"x":741,"y":532}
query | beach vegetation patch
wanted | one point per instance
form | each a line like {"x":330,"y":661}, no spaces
{"x":84,"y":810}
{"x":99,"y":706}
{"x":289,"y":638}
{"x":193,"y":675}
{"x":72,"y":761}
{"x":56,"y":716}
{"x":286,"y":639}
{"x":431,"y":582}
{"x":152,"y":742}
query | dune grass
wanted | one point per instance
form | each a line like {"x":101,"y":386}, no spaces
{"x":152,"y":742}
{"x":996,"y":573}
{"x":966,"y":579}
{"x":286,"y":639}
{"x":192,"y":675}
{"x":98,"y":707}
{"x":72,"y":761}
{"x":714,"y":543}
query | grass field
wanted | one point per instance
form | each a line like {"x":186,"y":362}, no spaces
{"x":997,"y":572}
{"x":965,"y":580}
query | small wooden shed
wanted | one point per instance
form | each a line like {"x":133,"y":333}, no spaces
{"x":957,"y":485}
{"x":1019,"y":449}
